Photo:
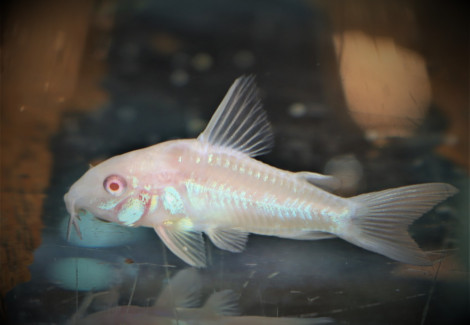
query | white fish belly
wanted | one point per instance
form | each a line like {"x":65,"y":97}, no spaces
{"x":230,"y":190}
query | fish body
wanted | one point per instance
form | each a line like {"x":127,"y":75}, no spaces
{"x":204,"y":315}
{"x":210,"y":188}
{"x":125,"y":315}
{"x":213,"y":185}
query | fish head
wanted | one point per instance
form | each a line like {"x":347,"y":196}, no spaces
{"x":103,"y":186}
{"x":122,"y":189}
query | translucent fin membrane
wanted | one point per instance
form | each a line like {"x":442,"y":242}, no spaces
{"x":382,"y":220}
{"x":239,"y":122}
{"x":187,"y":245}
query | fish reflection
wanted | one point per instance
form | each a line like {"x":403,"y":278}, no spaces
{"x":180,"y":303}
{"x":101,"y":233}
{"x":82,"y":274}
{"x":212,"y":184}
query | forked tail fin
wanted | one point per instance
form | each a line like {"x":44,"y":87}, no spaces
{"x":381,"y":221}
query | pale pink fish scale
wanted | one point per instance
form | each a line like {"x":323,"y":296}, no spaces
{"x":262,"y":204}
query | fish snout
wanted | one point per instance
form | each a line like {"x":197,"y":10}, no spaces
{"x":69,"y":203}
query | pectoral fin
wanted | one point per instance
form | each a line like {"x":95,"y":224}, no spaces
{"x":187,"y":245}
{"x":223,"y":303}
{"x":228,"y":239}
{"x":182,"y":291}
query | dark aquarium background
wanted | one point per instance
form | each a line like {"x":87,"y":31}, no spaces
{"x":374,"y":92}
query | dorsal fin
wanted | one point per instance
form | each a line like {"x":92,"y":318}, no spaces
{"x":239,"y":122}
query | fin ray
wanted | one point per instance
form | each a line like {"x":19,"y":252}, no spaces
{"x":382,"y":219}
{"x":228,"y":239}
{"x":239,"y":122}
{"x":187,"y":245}
{"x":182,"y":291}
{"x":224,"y":303}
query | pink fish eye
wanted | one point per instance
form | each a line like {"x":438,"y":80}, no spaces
{"x":115,"y":185}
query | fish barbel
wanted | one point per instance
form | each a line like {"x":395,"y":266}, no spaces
{"x":212,"y":185}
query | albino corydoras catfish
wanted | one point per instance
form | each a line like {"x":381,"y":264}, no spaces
{"x":212,"y":184}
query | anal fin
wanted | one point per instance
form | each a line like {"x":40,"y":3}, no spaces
{"x":309,"y":235}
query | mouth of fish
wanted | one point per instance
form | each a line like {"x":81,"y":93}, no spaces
{"x":75,"y":212}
